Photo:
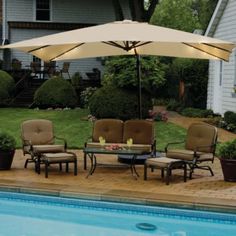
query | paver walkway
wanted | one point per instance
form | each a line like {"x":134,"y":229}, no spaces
{"x":117,"y":184}
{"x":174,"y":117}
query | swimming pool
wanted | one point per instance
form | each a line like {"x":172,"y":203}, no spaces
{"x":33,"y":215}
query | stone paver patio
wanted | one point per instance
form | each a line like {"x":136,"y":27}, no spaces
{"x":117,"y":184}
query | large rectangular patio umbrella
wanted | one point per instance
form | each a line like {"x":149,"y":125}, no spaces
{"x":124,"y":38}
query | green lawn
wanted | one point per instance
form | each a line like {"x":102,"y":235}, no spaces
{"x":68,"y":124}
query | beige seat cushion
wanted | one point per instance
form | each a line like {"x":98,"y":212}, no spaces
{"x":110,"y":129}
{"x":58,"y":157}
{"x":206,"y":157}
{"x":141,"y":131}
{"x":144,"y":147}
{"x":187,"y":155}
{"x":161,"y":162}
{"x":37,"y":131}
{"x":48,"y":148}
{"x":201,"y":136}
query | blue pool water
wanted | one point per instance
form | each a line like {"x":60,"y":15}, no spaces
{"x":34,"y":215}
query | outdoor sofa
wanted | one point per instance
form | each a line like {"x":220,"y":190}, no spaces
{"x":117,"y":132}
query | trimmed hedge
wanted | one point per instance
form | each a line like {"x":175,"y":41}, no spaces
{"x":56,"y":92}
{"x":230,"y":117}
{"x":7,"y":86}
{"x":196,"y":112}
{"x":112,"y":102}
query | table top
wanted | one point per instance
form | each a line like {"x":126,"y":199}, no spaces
{"x":115,"y":151}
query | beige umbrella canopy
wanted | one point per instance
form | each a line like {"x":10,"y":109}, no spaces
{"x":125,"y":38}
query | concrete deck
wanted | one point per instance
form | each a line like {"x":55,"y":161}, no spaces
{"x":117,"y":184}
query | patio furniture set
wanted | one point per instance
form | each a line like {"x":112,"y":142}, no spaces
{"x":131,"y":138}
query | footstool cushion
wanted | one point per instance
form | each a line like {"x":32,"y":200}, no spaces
{"x":61,"y":157}
{"x":165,"y":163}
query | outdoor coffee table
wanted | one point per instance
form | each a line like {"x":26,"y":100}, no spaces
{"x":91,"y":152}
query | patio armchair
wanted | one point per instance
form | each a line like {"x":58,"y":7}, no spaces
{"x":200,"y":145}
{"x":38,"y":138}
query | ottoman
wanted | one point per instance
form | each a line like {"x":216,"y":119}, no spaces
{"x":58,"y":158}
{"x":165,"y":164}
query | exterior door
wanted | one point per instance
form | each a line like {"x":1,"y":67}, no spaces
{"x":217,"y":91}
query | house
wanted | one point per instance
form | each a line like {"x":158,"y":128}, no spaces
{"x":25,"y":19}
{"x":221,"y":95}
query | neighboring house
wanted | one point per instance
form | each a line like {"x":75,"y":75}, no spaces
{"x":25,"y":19}
{"x":221,"y":95}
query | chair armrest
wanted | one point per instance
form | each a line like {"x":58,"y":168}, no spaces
{"x":153,"y":148}
{"x":198,"y":148}
{"x":168,"y":144}
{"x":65,"y":142}
{"x":89,"y":138}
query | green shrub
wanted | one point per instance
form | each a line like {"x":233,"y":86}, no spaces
{"x":196,"y":112}
{"x":56,"y":92}
{"x":86,"y":95}
{"x":230,"y":117}
{"x":7,"y":85}
{"x":161,"y":101}
{"x":227,"y":150}
{"x":7,"y":142}
{"x":174,"y":105}
{"x":75,"y":80}
{"x":111,"y":102}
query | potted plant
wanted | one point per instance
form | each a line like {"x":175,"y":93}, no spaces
{"x":7,"y":150}
{"x":227,"y":153}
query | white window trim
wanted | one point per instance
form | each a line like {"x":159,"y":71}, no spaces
{"x":50,"y":12}
{"x":221,"y":73}
{"x":234,"y":69}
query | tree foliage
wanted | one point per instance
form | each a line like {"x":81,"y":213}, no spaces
{"x":140,"y":10}
{"x":185,"y":15}
{"x":195,"y":75}
{"x":122,"y":72}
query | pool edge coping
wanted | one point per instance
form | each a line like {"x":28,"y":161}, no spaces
{"x":163,"y":200}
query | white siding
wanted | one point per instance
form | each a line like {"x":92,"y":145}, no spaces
{"x":76,"y":11}
{"x":82,"y":65}
{"x":70,"y":11}
{"x":225,"y":30}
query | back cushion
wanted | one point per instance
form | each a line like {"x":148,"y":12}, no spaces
{"x":201,"y":135}
{"x":37,"y":131}
{"x":141,"y":131}
{"x":110,"y":129}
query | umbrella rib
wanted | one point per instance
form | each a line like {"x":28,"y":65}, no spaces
{"x":33,"y":50}
{"x":142,"y":44}
{"x":111,"y":43}
{"x":63,"y":53}
{"x":223,"y":49}
{"x":204,"y":51}
{"x":126,"y":46}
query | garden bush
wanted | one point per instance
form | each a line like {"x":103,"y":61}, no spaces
{"x":112,"y":102}
{"x":56,"y":92}
{"x":7,"y":85}
{"x":86,"y":95}
{"x":76,"y":79}
{"x":174,"y":105}
{"x":196,"y":112}
{"x":230,"y":117}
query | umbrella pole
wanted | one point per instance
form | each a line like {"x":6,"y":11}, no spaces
{"x":138,"y":68}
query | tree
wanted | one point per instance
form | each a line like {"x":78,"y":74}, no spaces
{"x":140,"y":10}
{"x":176,"y":14}
{"x":121,"y":72}
{"x":186,"y":15}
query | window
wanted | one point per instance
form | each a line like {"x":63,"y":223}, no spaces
{"x":43,"y":10}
